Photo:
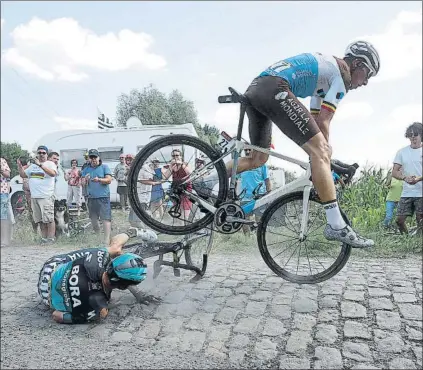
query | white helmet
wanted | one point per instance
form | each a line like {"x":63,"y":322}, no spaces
{"x":366,"y":51}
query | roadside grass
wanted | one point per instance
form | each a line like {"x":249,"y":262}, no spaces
{"x":396,"y":246}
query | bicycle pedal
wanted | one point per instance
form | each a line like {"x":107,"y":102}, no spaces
{"x":157,"y":268}
{"x":176,"y":272}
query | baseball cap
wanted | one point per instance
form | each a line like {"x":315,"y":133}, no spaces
{"x":93,"y":153}
{"x":43,"y":147}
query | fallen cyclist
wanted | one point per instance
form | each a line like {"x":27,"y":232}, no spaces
{"x":78,"y":285}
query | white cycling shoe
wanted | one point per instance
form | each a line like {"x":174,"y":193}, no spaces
{"x":146,"y":235}
{"x":348,"y":236}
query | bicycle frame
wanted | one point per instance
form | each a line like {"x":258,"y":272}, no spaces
{"x":303,"y":183}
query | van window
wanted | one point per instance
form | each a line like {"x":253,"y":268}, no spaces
{"x":110,"y":154}
{"x":68,"y":154}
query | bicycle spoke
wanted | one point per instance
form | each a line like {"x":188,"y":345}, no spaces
{"x":308,"y":259}
{"x":291,"y":256}
{"x":282,"y":251}
{"x":298,"y":260}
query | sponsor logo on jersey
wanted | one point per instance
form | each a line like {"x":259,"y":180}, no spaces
{"x":296,"y":114}
{"x":281,"y":96}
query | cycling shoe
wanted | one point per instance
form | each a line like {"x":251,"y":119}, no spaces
{"x":348,"y":236}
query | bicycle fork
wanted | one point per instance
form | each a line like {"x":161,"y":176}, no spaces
{"x":304,"y":218}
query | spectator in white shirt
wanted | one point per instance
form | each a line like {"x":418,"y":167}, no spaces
{"x":41,"y":174}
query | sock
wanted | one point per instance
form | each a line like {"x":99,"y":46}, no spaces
{"x":333,"y":215}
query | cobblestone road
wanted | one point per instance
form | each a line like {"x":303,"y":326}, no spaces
{"x":369,"y":316}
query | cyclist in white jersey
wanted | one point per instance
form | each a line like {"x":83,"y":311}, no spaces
{"x":326,"y":79}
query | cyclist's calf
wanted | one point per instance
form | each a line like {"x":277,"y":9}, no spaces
{"x":318,"y":148}
{"x":256,"y":160}
{"x":320,"y":153}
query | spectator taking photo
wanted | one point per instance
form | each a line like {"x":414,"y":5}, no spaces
{"x":41,"y":174}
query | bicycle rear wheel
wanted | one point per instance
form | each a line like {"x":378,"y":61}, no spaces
{"x":279,"y":233}
{"x":171,"y":207}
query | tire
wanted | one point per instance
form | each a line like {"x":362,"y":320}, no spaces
{"x":141,"y":158}
{"x":199,"y":262}
{"x":327,"y":273}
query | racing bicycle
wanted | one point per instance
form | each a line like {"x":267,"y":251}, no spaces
{"x":195,"y":249}
{"x":290,"y":232}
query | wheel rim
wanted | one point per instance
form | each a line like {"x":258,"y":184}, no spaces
{"x":171,"y":207}
{"x":303,"y":261}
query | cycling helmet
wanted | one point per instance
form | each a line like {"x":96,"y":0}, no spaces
{"x":367,"y":52}
{"x":126,"y":269}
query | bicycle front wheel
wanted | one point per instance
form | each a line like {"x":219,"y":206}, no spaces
{"x":309,"y":260}
{"x":165,"y":184}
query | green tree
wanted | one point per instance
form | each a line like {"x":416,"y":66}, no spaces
{"x":153,"y":107}
{"x":11,"y":152}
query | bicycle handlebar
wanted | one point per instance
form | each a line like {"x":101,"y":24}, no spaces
{"x":348,"y":171}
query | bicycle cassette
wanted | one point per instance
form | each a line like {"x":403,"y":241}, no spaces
{"x":228,"y":209}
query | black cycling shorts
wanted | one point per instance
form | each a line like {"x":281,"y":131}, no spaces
{"x":273,"y":101}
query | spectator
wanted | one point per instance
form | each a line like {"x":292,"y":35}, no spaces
{"x":392,"y":199}
{"x":98,"y":177}
{"x":408,"y":168}
{"x":120,"y":173}
{"x":144,"y":187}
{"x":179,"y":170}
{"x":157,"y":193}
{"x":27,"y":192}
{"x":84,"y":186}
{"x":4,"y":203}
{"x":73,"y":177}
{"x":41,"y":176}
{"x":256,"y":179}
{"x":128,"y":160}
{"x":54,"y":157}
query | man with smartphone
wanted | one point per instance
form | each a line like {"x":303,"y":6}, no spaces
{"x":41,"y":179}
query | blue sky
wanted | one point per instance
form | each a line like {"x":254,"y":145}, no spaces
{"x":51,"y":80}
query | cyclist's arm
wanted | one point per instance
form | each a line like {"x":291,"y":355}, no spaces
{"x":329,"y":104}
{"x":68,"y":318}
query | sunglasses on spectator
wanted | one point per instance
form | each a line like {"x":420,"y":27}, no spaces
{"x":175,"y":155}
{"x":42,"y":153}
{"x":93,"y":157}
{"x":413,"y":134}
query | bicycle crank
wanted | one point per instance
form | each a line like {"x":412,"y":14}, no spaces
{"x":229,"y":218}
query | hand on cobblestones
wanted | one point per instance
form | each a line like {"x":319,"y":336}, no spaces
{"x":147,"y":299}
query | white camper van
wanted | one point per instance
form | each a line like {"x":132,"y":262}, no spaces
{"x":111,"y":143}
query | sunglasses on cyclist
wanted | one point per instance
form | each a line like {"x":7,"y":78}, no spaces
{"x":370,"y":74}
